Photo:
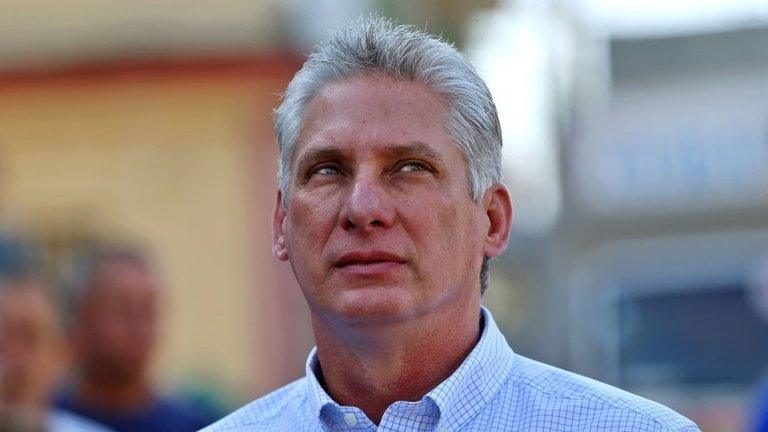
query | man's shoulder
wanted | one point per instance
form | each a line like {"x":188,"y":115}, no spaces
{"x":177,"y":414}
{"x":270,"y":412}
{"x":63,"y":421}
{"x":586,"y":403}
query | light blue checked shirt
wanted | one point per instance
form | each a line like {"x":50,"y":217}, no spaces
{"x":494,"y":389}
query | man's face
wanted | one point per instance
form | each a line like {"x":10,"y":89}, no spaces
{"x":30,"y":348}
{"x":119,"y":322}
{"x":380,"y":225}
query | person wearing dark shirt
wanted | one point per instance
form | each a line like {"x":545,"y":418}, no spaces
{"x":157,"y":414}
{"x":114,"y":335}
{"x":32,"y":354}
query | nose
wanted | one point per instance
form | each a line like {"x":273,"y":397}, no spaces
{"x":368,"y":206}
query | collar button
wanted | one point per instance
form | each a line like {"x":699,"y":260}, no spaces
{"x":350,"y":419}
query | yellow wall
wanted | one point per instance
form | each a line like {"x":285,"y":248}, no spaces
{"x":185,"y":164}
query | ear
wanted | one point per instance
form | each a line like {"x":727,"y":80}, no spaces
{"x":278,"y":231}
{"x":498,"y":208}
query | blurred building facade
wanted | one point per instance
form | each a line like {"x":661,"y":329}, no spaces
{"x":647,"y":279}
{"x":668,"y":178}
{"x":170,"y":156}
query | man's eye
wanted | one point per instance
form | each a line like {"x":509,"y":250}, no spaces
{"x":326,"y":171}
{"x":412,"y":167}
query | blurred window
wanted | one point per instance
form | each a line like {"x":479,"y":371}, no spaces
{"x":702,"y":336}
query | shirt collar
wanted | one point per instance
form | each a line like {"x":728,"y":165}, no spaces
{"x":318,"y":396}
{"x":471,"y":386}
{"x":479,"y":377}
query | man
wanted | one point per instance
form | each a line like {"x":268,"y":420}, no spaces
{"x":31,"y":355}
{"x":390,"y":206}
{"x":114,"y":337}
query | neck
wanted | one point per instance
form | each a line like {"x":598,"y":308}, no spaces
{"x":373,"y":367}
{"x":102,"y":393}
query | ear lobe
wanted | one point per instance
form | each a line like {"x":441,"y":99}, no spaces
{"x":498,"y":207}
{"x":278,"y":231}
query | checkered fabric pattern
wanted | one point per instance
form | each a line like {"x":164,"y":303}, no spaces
{"x":494,"y":389}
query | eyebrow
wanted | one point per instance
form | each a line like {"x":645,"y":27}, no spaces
{"x":313,"y":155}
{"x":418,"y":149}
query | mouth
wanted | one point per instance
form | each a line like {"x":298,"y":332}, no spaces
{"x":369,"y":263}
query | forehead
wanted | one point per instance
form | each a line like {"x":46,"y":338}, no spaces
{"x":374,"y":111}
{"x":123,"y":277}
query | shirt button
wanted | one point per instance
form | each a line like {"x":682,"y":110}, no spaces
{"x":442,"y":429}
{"x":350,"y":419}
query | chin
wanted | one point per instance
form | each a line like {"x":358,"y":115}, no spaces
{"x":373,"y":305}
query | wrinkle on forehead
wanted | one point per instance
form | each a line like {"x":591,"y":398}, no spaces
{"x":332,"y":97}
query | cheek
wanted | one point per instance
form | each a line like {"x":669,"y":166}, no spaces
{"x":309,"y":224}
{"x":456,"y":235}
{"x":454,"y":224}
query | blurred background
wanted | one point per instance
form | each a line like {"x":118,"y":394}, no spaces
{"x":636,"y":147}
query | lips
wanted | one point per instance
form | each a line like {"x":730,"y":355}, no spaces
{"x":370,"y":265}
{"x":368,"y":259}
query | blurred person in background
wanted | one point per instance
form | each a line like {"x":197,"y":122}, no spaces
{"x":114,"y":336}
{"x":32,"y":353}
{"x":758,"y":421}
{"x":390,"y":207}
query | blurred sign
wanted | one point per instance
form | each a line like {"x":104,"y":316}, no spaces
{"x":672,"y":149}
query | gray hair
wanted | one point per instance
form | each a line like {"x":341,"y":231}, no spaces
{"x":374,"y":44}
